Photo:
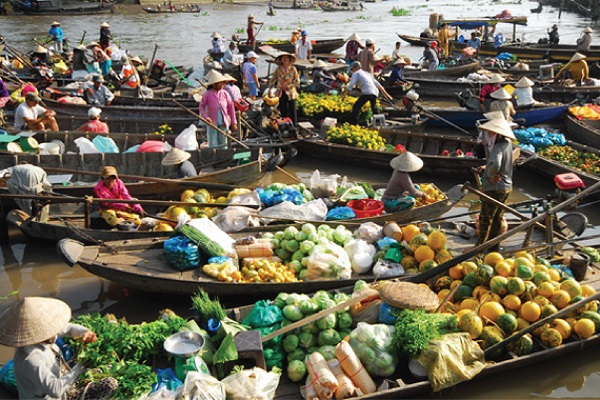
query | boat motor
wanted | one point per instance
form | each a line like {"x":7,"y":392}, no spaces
{"x":568,"y":185}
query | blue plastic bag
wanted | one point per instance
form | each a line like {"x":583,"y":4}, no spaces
{"x":166,"y":378}
{"x":340,"y":213}
{"x":527,"y":147}
{"x":523,"y":136}
{"x":385,"y":242}
{"x":541,"y":143}
{"x":558,"y":139}
{"x":7,"y":377}
{"x":385,"y":314}
{"x":105,"y":144}
{"x":182,"y":254}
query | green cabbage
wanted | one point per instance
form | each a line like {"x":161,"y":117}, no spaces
{"x":359,"y":285}
{"x":292,"y":312}
{"x":295,"y":266}
{"x":290,"y":343}
{"x":308,"y":307}
{"x":290,"y":232}
{"x":309,"y":228}
{"x":298,"y":256}
{"x":327,"y":322}
{"x":344,"y":320}
{"x":328,"y":352}
{"x":292,"y":245}
{"x":296,"y":370}
{"x":306,"y":246}
{"x":301,"y":236}
{"x":297,"y":354}
{"x":306,"y":340}
{"x":329,"y":337}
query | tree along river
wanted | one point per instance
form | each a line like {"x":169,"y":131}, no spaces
{"x":36,"y":270}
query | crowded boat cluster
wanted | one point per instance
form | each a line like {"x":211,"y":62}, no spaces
{"x":147,"y":175}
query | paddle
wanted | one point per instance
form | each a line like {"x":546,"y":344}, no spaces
{"x":422,"y":277}
{"x":205,"y":185}
{"x":541,"y":322}
{"x":148,"y":66}
{"x":46,"y":47}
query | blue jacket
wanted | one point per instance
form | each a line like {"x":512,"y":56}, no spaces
{"x":56,"y":33}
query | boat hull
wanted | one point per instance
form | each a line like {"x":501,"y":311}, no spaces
{"x":320,"y":46}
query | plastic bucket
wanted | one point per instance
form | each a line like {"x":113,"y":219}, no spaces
{"x":11,"y":147}
{"x":364,"y":208}
{"x":60,"y":144}
{"x":579,"y":264}
{"x":28,"y":143}
{"x":49,"y":148}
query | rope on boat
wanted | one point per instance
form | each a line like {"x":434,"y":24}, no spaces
{"x":178,"y":73}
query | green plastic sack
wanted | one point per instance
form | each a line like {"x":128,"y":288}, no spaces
{"x":263,"y":314}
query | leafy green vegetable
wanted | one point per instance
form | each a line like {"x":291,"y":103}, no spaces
{"x":328,"y":337}
{"x":206,"y":307}
{"x":293,"y":312}
{"x":296,"y":370}
{"x":414,"y":330}
{"x":306,"y":340}
{"x":290,"y":343}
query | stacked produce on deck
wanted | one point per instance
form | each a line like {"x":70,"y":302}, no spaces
{"x":583,"y":161}
{"x":320,"y":106}
{"x":357,"y":136}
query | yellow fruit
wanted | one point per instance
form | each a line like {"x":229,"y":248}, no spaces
{"x":524,"y":254}
{"x":493,"y":258}
{"x":442,"y":294}
{"x":551,"y":337}
{"x":177,"y":211}
{"x":186,"y":194}
{"x":572,"y":287}
{"x":469,"y":304}
{"x":462,"y":312}
{"x":560,"y":299}
{"x":436,"y":240}
{"x":584,"y":328}
{"x":491,"y":310}
{"x":443,"y":255}
{"x":515,"y":286}
{"x":471,"y":323}
{"x":546,"y":289}
{"x":162,"y":227}
{"x":562,"y":326}
{"x":417,"y":241}
{"x":587,"y":290}
{"x":571,"y":322}
{"x":409,"y":231}
{"x":541,"y":300}
{"x":479,"y":291}
{"x":530,"y":311}
{"x":426,"y":265}
{"x":554,"y":274}
{"x":409,"y":262}
{"x":522,"y":323}
{"x":498,"y":285}
{"x":456,"y":272}
{"x":503,"y":268}
{"x":511,"y":302}
{"x":469,"y":266}
{"x":423,"y":253}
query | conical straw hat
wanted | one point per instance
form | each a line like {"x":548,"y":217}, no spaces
{"x":577,"y":57}
{"x":319,"y":64}
{"x":407,"y":162}
{"x":495,"y":78}
{"x":104,"y":25}
{"x":501,"y":94}
{"x":215,"y":77}
{"x":407,"y":295}
{"x":354,"y":36}
{"x":175,"y":156}
{"x":33,"y":320}
{"x":499,"y":126}
{"x":524,"y":82}
{"x":215,"y":35}
{"x":281,"y":55}
{"x":40,"y":49}
{"x":493,"y":115}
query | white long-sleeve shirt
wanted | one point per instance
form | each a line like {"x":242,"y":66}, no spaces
{"x":367,"y":84}
{"x":37,"y":368}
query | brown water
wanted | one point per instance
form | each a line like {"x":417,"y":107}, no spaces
{"x":36,"y":270}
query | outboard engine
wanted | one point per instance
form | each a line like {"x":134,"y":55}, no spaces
{"x":568,"y":186}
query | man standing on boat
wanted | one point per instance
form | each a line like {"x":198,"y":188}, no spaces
{"x":57,"y":35}
{"x":444,"y":37}
{"x":303,"y":47}
{"x":105,"y":35}
{"x":367,"y":58}
{"x":369,"y":89}
{"x":97,"y":93}
{"x":585,"y":41}
{"x":430,"y":56}
{"x":553,"y":37}
{"x":251,"y":30}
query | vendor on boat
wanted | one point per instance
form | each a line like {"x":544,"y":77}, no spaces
{"x":32,"y":326}
{"x":130,"y":76}
{"x":295,"y":36}
{"x":553,"y":37}
{"x":105,"y":35}
{"x":444,"y":37}
{"x":502,"y":102}
{"x":31,"y":116}
{"x":97,"y":93}
{"x":285,"y":81}
{"x":232,"y":88}
{"x":369,"y":88}
{"x":216,"y":107}
{"x":179,"y":159}
{"x":228,"y":57}
{"x":367,"y":57}
{"x":27,"y":179}
{"x":57,"y":35}
{"x":353,"y":47}
{"x":396,"y":76}
{"x":584,"y":43}
{"x":400,"y":192}
{"x":523,"y":94}
{"x":576,"y":69}
{"x":251,"y":30}
{"x":322,"y":81}
{"x":218,"y":43}
{"x":490,"y":87}
{"x":39,"y":56}
{"x":94,"y":124}
{"x":111,"y":187}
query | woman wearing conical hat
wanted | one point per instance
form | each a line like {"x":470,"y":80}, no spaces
{"x":322,"y":80}
{"x":502,"y":102}
{"x":353,"y":47}
{"x":217,"y":108}
{"x":400,"y":192}
{"x":585,"y":41}
{"x":486,"y":91}
{"x":576,"y":69}
{"x":523,"y":93}
{"x":180,"y":160}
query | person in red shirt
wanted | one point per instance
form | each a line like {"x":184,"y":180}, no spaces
{"x":490,"y":87}
{"x":94,"y":124}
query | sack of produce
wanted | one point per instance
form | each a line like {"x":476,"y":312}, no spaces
{"x":373,"y":346}
{"x":263,"y":314}
{"x":368,"y":309}
{"x":328,"y":261}
{"x":202,"y":386}
{"x":323,"y":186}
{"x":354,"y":368}
{"x":369,"y":232}
{"x":324,"y":381}
{"x":340,"y":214}
{"x":182,"y":254}
{"x":345,"y":387}
{"x":209,"y":229}
{"x":255,"y":383}
{"x":361,"y":255}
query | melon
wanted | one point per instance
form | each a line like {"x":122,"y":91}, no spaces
{"x":551,"y":337}
{"x":507,"y":323}
{"x":472,"y":324}
{"x":418,"y":240}
{"x":484,"y":274}
{"x":522,"y":346}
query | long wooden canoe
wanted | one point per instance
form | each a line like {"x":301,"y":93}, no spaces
{"x":153,"y":10}
{"x":583,"y":130}
{"x":428,"y":146}
{"x":349,"y":7}
{"x":461,"y":69}
{"x":320,"y":46}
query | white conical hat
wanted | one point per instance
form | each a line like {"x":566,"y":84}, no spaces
{"x":215,"y":78}
{"x":175,"y":156}
{"x":524,"y":82}
{"x":501,"y":94}
{"x":104,"y":25}
{"x":588,"y":30}
{"x":496,"y":78}
{"x":577,"y":57}
{"x":319,"y":64}
{"x":40,"y":49}
{"x":354,"y":36}
{"x":215,"y":35}
{"x":33,"y":320}
{"x":493,"y":115}
{"x":499,"y":126}
{"x":406,"y":162}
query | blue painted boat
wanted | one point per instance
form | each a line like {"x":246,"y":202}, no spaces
{"x":468,"y":118}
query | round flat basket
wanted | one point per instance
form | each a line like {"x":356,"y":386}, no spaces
{"x":409,"y":295}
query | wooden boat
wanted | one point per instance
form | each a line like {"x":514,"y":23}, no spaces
{"x":344,"y":6}
{"x":320,"y":46}
{"x":297,"y":5}
{"x":142,"y":264}
{"x":583,"y":130}
{"x":153,"y":10}
{"x":428,"y":146}
{"x":460,"y":69}
{"x":62,"y":7}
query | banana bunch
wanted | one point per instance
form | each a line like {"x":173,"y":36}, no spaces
{"x":357,"y":136}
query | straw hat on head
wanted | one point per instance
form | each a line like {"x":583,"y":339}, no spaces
{"x":588,"y":30}
{"x":93,"y":44}
{"x":32,"y":96}
{"x":107,"y":171}
{"x":104,"y":25}
{"x":33,"y":320}
{"x":215,"y":35}
{"x":493,"y":115}
{"x":229,"y":78}
{"x":369,"y":42}
{"x":354,"y":36}
{"x":94,"y":112}
{"x":280,"y":56}
{"x":495,"y":78}
{"x":55,"y":23}
{"x":499,"y":126}
{"x":250,"y":16}
{"x":402,"y":61}
{"x":319,"y":64}
{"x":501,"y":94}
{"x":577,"y":57}
{"x":80,"y":47}
{"x":137,"y":60}
{"x":215,"y":78}
{"x":524,"y":82}
{"x":41,"y":50}
{"x":406,"y":162}
{"x":175,"y":156}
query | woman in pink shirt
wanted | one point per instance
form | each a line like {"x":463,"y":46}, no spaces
{"x":217,"y":108}
{"x":111,"y":187}
{"x":94,"y":125}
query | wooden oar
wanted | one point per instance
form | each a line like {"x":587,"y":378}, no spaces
{"x":206,"y":185}
{"x":443,"y":267}
{"x":541,"y":322}
{"x":46,"y":47}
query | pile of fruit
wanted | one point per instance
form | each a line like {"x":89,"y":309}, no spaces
{"x":503,"y":295}
{"x":423,"y":250}
{"x":357,"y":136}
{"x":583,"y":161}
{"x":319,"y":106}
{"x":433,"y":194}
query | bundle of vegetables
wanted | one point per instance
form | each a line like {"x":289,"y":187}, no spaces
{"x":319,"y":106}
{"x":373,"y":346}
{"x":206,"y":308}
{"x":357,"y":136}
{"x":204,"y":243}
{"x":294,"y":246}
{"x":416,"y":328}
{"x":194,"y":210}
{"x":592,"y":252}
{"x":583,"y":161}
{"x":122,"y":349}
{"x":319,"y":336}
{"x":164,"y":129}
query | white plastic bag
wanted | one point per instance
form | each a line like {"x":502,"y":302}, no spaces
{"x":387,"y":269}
{"x":187,"y":140}
{"x":369,"y":232}
{"x":215,"y":233}
{"x":234,"y":219}
{"x":200,"y":386}
{"x":328,"y":261}
{"x":323,"y":186}
{"x":85,"y":146}
{"x":314,"y":210}
{"x":255,"y":383}
{"x":361,"y":255}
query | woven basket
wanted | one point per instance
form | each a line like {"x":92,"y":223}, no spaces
{"x":408,"y":295}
